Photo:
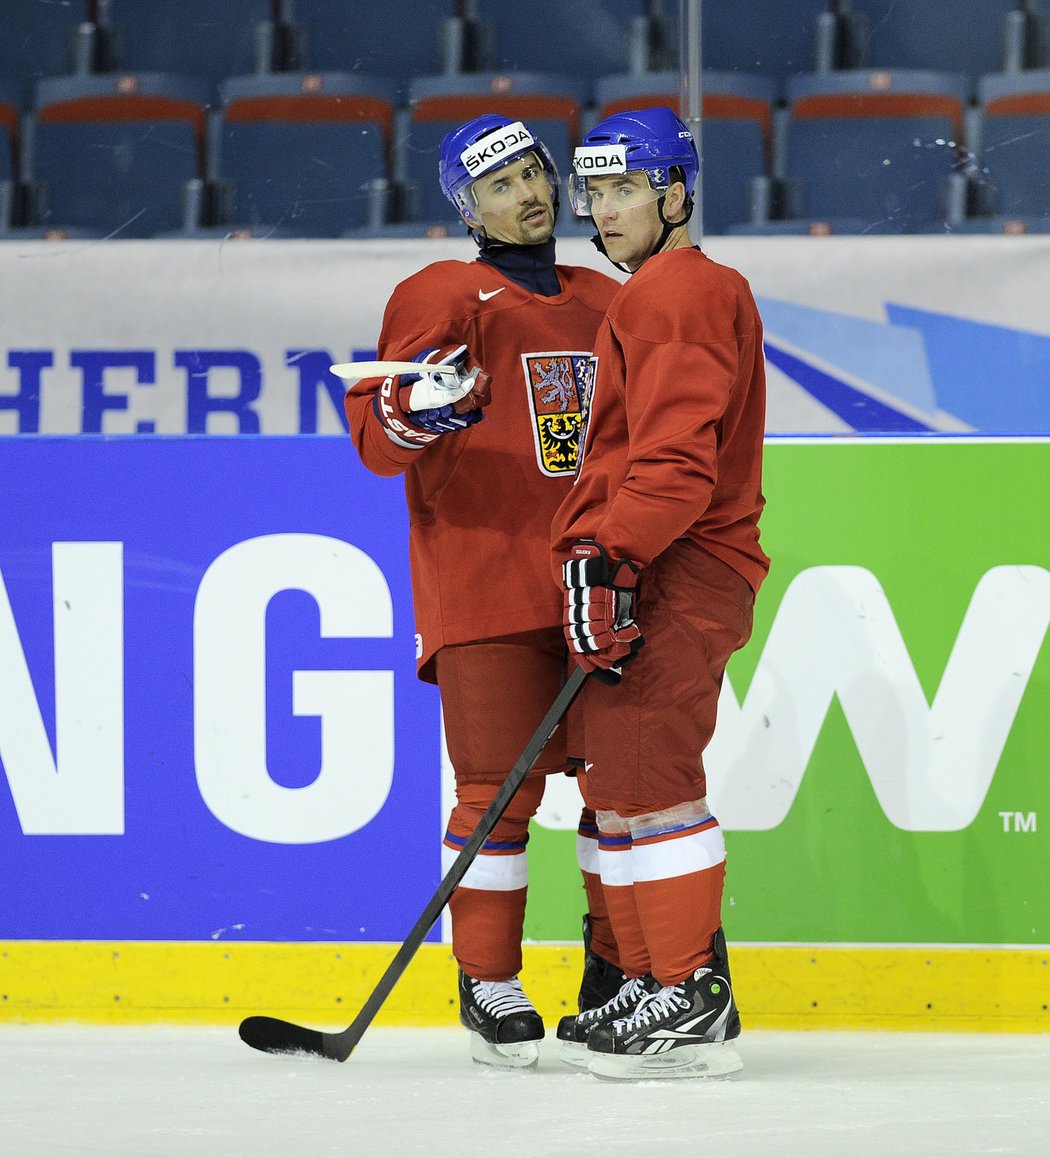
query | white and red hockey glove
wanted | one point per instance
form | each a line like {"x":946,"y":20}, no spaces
{"x":599,"y":610}
{"x":417,"y":409}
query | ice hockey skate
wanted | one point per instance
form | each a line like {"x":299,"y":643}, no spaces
{"x":601,"y":980}
{"x":505,"y":1029}
{"x":573,"y":1032}
{"x":680,"y":1031}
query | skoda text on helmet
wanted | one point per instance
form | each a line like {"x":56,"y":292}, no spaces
{"x":480,"y":146}
{"x":651,"y":140}
{"x":656,"y":142}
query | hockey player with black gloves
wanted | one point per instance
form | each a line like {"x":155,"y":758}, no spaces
{"x":657,"y":549}
{"x":487,"y":454}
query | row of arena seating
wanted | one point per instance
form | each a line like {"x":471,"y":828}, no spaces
{"x":333,"y":154}
{"x":214,"y":39}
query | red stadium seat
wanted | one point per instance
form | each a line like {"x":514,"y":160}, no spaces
{"x":550,"y":105}
{"x":307,"y":151}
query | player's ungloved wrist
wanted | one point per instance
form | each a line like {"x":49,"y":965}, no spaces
{"x":599,"y":623}
{"x":417,"y":409}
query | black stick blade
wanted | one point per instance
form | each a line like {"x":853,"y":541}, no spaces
{"x":271,"y":1035}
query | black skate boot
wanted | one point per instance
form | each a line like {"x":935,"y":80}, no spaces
{"x":573,"y":1032}
{"x":601,"y":980}
{"x":721,"y":951}
{"x":681,"y":1031}
{"x":506,"y":1030}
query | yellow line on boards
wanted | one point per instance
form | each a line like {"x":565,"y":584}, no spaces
{"x":777,"y":986}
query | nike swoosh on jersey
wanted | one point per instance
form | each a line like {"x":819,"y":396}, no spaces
{"x":491,"y":293}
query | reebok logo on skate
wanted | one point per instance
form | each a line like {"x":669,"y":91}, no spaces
{"x":686,"y":1031}
{"x":491,"y":293}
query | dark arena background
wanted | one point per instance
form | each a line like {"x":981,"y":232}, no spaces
{"x":223,"y":788}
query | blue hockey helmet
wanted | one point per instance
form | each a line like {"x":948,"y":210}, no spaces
{"x":486,"y":143}
{"x":654,"y":141}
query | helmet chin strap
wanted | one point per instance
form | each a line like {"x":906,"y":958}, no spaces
{"x":668,"y":228}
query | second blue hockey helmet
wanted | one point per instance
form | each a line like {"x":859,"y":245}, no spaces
{"x":654,"y":141}
{"x":486,"y":143}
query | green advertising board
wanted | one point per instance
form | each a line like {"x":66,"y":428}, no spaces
{"x":883,"y":757}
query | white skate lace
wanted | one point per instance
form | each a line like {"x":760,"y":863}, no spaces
{"x":630,"y":992}
{"x":501,"y":998}
{"x":654,"y":1007}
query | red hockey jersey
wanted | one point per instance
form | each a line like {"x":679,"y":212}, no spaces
{"x":481,"y":500}
{"x":674,"y":439}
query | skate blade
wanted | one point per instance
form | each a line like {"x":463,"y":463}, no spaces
{"x":517,"y":1055}
{"x":575,"y":1053}
{"x":716,"y":1059}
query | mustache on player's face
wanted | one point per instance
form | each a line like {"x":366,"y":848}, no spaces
{"x":532,"y":206}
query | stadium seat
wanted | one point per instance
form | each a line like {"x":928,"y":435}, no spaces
{"x":115,"y":152}
{"x":51,"y":233}
{"x":37,"y":40}
{"x":874,"y":144}
{"x":194,"y":37}
{"x":813,"y":227}
{"x":10,"y":123}
{"x":1009,"y":226}
{"x":412,"y":230}
{"x":234,"y":233}
{"x":550,"y":105}
{"x":392,"y":40}
{"x":1014,"y":141}
{"x":771,"y":36}
{"x":580,"y":41}
{"x":929,"y":34}
{"x":307,"y":151}
{"x":736,"y":132}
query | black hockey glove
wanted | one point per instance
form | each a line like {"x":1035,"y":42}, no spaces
{"x":599,"y":610}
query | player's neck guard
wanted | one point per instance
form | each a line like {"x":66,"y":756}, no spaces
{"x":530,"y":266}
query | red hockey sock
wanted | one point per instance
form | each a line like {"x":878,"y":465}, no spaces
{"x":679,"y":874}
{"x":680,"y":916}
{"x":488,"y":908}
{"x":602,"y":940}
{"x":486,"y":932}
{"x":614,"y":851}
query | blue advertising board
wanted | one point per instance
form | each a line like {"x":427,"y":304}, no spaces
{"x":198,"y":638}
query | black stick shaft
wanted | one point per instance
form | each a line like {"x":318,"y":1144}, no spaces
{"x":343,"y":1043}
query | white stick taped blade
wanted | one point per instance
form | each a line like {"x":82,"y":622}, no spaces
{"x":382,"y":369}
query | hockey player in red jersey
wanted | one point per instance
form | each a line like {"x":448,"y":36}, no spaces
{"x":487,"y":456}
{"x":657,"y":545}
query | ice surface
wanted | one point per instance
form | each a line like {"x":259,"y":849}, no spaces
{"x":167,"y":1093}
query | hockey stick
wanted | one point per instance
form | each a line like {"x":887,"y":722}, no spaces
{"x":271,"y":1035}
{"x":382,"y":369}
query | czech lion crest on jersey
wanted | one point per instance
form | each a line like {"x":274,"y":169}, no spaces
{"x":560,"y":387}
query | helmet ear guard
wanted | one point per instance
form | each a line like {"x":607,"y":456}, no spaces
{"x":676,"y":176}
